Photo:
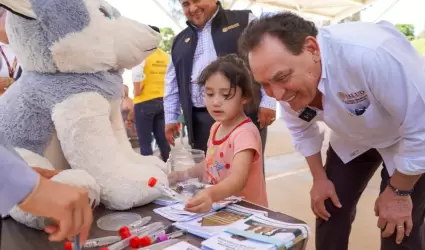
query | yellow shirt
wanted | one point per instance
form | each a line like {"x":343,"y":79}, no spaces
{"x":151,"y":74}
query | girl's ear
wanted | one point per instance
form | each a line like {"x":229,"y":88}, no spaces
{"x":245,"y":100}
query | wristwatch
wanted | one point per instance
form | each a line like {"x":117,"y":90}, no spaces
{"x":400,"y":192}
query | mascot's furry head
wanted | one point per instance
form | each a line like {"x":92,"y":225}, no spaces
{"x":64,"y":111}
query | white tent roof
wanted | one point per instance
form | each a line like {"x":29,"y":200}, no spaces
{"x":333,"y":10}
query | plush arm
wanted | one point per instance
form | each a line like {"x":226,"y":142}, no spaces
{"x":122,"y":139}
{"x":88,"y":141}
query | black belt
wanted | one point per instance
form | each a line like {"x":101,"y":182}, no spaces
{"x":203,"y":109}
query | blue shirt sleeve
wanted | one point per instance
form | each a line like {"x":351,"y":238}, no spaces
{"x":17,"y":179}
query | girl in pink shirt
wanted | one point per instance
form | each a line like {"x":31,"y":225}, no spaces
{"x":234,"y":157}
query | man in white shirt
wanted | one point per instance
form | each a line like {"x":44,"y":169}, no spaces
{"x":367,"y":83}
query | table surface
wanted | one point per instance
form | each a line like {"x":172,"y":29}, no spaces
{"x":16,"y":236}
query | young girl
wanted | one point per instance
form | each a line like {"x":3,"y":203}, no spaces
{"x":234,"y":157}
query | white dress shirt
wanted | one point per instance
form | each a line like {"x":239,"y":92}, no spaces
{"x":370,"y":66}
{"x":138,"y":73}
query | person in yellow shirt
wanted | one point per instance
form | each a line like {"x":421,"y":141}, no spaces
{"x":149,"y":84}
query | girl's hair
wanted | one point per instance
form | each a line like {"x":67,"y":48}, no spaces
{"x":235,"y":70}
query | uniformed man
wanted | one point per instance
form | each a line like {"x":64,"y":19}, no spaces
{"x":367,"y":83}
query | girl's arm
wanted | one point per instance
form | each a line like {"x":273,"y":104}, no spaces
{"x":235,"y":182}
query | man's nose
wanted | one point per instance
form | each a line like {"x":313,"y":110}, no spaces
{"x":192,"y":9}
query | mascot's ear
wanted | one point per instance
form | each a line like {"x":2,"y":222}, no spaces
{"x":77,"y":34}
{"x":20,"y":7}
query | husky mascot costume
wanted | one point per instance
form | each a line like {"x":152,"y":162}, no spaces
{"x":64,"y":111}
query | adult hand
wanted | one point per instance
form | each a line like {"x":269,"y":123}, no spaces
{"x":46,"y":173}
{"x":201,"y":203}
{"x":395,"y":214}
{"x":322,"y":190}
{"x":266,"y":116}
{"x":66,"y":205}
{"x":171,"y":130}
{"x":4,"y":82}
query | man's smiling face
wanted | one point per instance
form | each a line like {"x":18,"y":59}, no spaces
{"x":283,"y":75}
{"x":199,"y":12}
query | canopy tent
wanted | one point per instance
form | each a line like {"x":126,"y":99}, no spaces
{"x":332,"y":10}
{"x":319,"y":10}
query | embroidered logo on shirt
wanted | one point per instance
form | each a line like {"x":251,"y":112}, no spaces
{"x":187,"y":40}
{"x":353,"y":98}
{"x":225,"y":29}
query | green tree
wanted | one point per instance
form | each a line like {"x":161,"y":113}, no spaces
{"x":167,"y":35}
{"x":407,"y":29}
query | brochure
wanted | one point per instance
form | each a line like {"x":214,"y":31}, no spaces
{"x":216,"y":222}
{"x":188,"y":189}
{"x":258,"y":233}
{"x":176,"y":212}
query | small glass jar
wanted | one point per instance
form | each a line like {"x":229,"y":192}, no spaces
{"x":183,"y":159}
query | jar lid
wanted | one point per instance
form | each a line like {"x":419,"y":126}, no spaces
{"x":115,"y":221}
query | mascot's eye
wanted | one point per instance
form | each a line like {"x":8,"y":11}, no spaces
{"x":105,"y":13}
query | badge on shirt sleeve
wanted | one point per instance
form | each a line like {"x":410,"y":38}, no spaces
{"x":353,"y":98}
{"x":187,"y":40}
{"x":356,"y":102}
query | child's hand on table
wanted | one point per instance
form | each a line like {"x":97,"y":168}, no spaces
{"x":201,"y":203}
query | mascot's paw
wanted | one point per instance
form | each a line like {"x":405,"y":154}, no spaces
{"x":77,"y":178}
{"x":129,"y":188}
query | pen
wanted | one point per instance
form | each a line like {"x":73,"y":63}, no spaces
{"x":77,"y":245}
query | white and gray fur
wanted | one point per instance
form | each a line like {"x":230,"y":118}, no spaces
{"x":65,"y":108}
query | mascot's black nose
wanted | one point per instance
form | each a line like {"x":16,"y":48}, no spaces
{"x":155,"y":28}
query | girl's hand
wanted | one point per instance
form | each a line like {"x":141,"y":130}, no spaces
{"x":201,"y":203}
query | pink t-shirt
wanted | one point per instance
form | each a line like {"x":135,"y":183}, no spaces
{"x":220,"y":155}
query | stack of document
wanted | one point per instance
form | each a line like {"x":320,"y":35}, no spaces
{"x":176,"y":212}
{"x":216,"y":222}
{"x":187,"y":189}
{"x":165,"y":201}
{"x":258,"y":233}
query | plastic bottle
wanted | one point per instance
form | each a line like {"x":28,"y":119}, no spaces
{"x":126,"y":242}
{"x":147,"y":239}
{"x":155,"y":238}
{"x":98,"y":242}
{"x":127,"y":231}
